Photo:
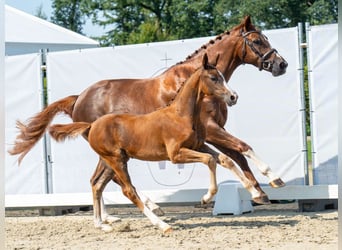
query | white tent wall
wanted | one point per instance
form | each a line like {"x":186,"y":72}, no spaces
{"x":25,"y":33}
{"x":267,"y":115}
{"x":23,"y":91}
{"x":323,"y":68}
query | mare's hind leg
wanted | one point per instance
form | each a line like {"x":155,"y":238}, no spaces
{"x":119,"y":165}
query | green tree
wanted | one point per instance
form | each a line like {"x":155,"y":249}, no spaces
{"x":137,"y":21}
{"x":40,"y":13}
{"x":68,"y":14}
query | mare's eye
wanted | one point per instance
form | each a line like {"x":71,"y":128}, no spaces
{"x":257,"y":41}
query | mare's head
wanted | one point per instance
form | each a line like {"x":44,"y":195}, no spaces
{"x":214,"y":84}
{"x":255,"y":49}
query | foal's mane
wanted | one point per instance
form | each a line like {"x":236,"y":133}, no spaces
{"x":210,"y":66}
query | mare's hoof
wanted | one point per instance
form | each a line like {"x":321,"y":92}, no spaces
{"x":167,"y":230}
{"x":158,"y":211}
{"x":277,"y":183}
{"x":263,"y":200}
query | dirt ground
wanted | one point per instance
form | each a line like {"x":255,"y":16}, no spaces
{"x":276,"y":226}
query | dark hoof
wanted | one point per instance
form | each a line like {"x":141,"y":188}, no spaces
{"x":263,"y":200}
{"x":158,"y":211}
{"x":277,"y":183}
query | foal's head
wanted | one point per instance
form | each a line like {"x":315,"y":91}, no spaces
{"x":214,"y":84}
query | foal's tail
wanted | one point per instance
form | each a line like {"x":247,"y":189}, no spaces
{"x":60,"y":132}
{"x":35,"y":127}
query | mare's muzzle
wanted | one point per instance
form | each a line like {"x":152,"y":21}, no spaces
{"x":273,"y":62}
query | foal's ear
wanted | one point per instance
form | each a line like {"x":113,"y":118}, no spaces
{"x":205,"y":62}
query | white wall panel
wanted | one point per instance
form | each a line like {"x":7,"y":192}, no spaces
{"x":266,"y":116}
{"x":23,"y":100}
{"x":323,"y":82}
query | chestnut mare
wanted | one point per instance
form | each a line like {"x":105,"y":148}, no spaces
{"x":243,"y":44}
{"x":175,"y":133}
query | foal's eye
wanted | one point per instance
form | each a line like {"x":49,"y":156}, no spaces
{"x":214,"y":78}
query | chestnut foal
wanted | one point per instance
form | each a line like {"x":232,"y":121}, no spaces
{"x":175,"y":133}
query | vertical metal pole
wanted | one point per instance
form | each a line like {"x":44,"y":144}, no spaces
{"x":2,"y":123}
{"x":313,"y":149}
{"x":302,"y":102}
{"x":46,"y":138}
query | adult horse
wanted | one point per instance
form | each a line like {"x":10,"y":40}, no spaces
{"x":176,"y":132}
{"x":243,"y":44}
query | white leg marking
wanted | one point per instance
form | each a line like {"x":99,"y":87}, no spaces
{"x":262,"y":166}
{"x":156,"y":220}
{"x":106,"y":218}
{"x":212,"y":190}
{"x":229,"y":164}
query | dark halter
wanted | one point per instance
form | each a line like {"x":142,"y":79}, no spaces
{"x":265,"y":64}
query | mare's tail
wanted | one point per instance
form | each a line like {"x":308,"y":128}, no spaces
{"x":35,"y":127}
{"x":60,"y":132}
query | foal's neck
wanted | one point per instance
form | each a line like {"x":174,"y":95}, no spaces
{"x":187,"y":101}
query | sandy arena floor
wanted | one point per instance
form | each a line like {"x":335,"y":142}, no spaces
{"x":276,"y":226}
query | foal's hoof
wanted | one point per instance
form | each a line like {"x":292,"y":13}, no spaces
{"x":277,"y":183}
{"x":263,"y":200}
{"x":112,"y":219}
{"x":106,"y":228}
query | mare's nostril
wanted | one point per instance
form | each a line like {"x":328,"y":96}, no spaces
{"x":283,"y":65}
{"x":232,"y":98}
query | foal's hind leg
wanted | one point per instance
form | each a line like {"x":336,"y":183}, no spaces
{"x":103,"y":169}
{"x":98,"y":181}
{"x":119,"y":166}
{"x":102,"y":175}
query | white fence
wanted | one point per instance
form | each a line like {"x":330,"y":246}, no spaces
{"x":323,"y":66}
{"x":268,"y":115}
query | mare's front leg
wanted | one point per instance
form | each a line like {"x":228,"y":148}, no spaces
{"x":226,"y":142}
{"x":257,"y":195}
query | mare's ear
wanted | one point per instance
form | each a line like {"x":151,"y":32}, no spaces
{"x":247,"y":24}
{"x":205,"y":62}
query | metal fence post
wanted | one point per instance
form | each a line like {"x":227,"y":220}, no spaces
{"x":302,"y":46}
{"x":46,"y":138}
{"x":313,"y":149}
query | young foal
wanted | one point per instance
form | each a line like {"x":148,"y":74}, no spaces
{"x":174,"y":133}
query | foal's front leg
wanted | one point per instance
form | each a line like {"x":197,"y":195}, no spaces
{"x":185,"y":155}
